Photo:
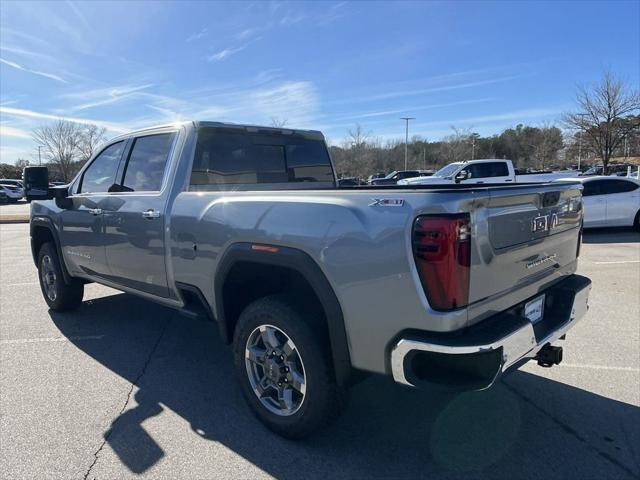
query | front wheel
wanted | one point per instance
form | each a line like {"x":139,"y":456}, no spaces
{"x":59,"y":295}
{"x":284,"y":368}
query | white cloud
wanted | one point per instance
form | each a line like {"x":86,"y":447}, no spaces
{"x":24,"y":113}
{"x":35,"y":72}
{"x":291,"y":19}
{"x":517,"y":115}
{"x":421,"y":91}
{"x":15,"y":50}
{"x":268,"y":75}
{"x":295,"y":101}
{"x":248,"y":33}
{"x":106,"y":96}
{"x":224,"y":54}
{"x":197,"y":36}
{"x":78,"y":13}
{"x":415,"y":108}
{"x":7,"y":131}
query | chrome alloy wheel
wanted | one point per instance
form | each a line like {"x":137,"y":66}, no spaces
{"x":275,"y":370}
{"x":49,"y":279}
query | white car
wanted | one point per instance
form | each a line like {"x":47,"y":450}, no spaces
{"x":610,"y":201}
{"x":13,"y":183}
{"x":13,"y":193}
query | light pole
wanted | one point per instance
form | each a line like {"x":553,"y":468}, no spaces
{"x":39,"y":157}
{"x":579,"y":149}
{"x":580,"y":140}
{"x":406,"y":139}
{"x":473,"y":147}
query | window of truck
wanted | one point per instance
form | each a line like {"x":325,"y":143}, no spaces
{"x":237,"y":159}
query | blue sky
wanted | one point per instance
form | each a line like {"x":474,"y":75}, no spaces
{"x":474,"y":65}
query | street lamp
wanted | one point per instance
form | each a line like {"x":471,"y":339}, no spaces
{"x":406,"y":139}
{"x":580,"y":140}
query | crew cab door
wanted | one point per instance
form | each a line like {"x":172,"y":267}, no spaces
{"x":134,"y":217}
{"x":488,"y":172}
{"x":81,"y":219}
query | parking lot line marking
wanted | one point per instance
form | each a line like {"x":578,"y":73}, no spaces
{"x":50,"y":339}
{"x":602,"y":367}
{"x":616,"y":262}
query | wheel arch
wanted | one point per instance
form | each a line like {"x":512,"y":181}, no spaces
{"x":307,"y":270}
{"x":42,"y":230}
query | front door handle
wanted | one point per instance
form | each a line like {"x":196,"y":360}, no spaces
{"x":95,"y":211}
{"x":150,"y":214}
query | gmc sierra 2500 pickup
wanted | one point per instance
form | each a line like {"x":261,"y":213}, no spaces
{"x":447,"y":285}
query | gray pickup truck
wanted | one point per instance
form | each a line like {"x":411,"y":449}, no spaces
{"x":446,"y":285}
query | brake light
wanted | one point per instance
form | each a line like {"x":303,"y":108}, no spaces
{"x":442,"y":252}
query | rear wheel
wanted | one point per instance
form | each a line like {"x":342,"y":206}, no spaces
{"x":636,"y":222}
{"x":284,"y":368}
{"x":59,"y":295}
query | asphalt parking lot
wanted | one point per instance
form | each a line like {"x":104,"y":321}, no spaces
{"x":123,"y":388}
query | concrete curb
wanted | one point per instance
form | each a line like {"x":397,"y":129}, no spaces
{"x":14,"y":218}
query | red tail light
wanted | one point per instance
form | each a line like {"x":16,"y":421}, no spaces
{"x":442,"y":251}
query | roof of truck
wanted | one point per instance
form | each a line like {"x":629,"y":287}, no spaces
{"x":249,"y":127}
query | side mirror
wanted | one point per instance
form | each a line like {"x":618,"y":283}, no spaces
{"x":461,"y":176}
{"x":36,"y":183}
{"x":59,"y":192}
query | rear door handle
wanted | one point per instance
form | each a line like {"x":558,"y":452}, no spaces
{"x":95,"y":211}
{"x":150,"y":214}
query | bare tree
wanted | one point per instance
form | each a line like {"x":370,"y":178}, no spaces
{"x":544,"y":143}
{"x":278,"y":122}
{"x":60,"y":142}
{"x":605,"y":115}
{"x":357,"y":138}
{"x":457,"y":147}
{"x":67,"y":145}
{"x":92,"y":137}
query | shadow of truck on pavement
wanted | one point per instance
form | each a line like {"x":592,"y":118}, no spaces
{"x":524,"y":427}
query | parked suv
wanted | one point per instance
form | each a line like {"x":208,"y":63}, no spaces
{"x":312,"y":283}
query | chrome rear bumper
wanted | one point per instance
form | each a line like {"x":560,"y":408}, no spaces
{"x":521,"y":342}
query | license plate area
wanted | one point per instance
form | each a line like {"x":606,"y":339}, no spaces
{"x":534,"y":309}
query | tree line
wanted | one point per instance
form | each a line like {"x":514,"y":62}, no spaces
{"x":529,"y":147}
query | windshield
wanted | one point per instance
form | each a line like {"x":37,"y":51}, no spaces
{"x":391,"y":174}
{"x":447,"y":170}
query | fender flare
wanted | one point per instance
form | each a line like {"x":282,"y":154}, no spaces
{"x":301,"y":262}
{"x":45,"y":222}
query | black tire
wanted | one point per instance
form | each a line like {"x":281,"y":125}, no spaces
{"x":323,"y":399}
{"x":636,"y":222}
{"x":59,"y":295}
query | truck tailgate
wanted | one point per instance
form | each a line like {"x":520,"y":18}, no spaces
{"x":524,"y":239}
